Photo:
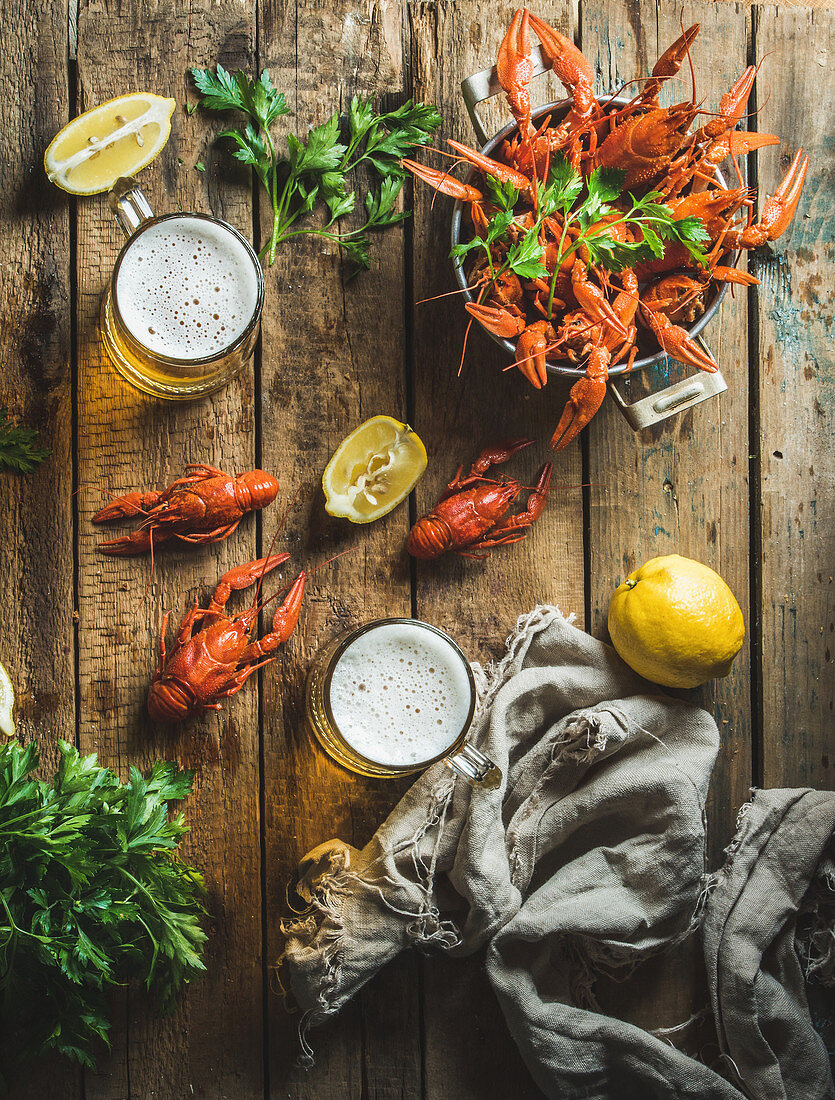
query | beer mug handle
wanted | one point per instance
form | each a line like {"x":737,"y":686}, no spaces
{"x":474,"y":766}
{"x":129,"y":205}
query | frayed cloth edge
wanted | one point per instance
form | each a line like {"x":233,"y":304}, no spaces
{"x":492,"y":676}
{"x":322,"y":919}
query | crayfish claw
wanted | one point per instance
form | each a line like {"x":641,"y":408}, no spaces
{"x":515,"y":69}
{"x":675,"y":341}
{"x":287,"y":613}
{"x":532,"y":347}
{"x":584,"y":400}
{"x":138,"y":542}
{"x":242,"y":576}
{"x":496,"y":319}
{"x":780,"y":207}
{"x":443,"y":181}
{"x":498,"y":453}
{"x":126,"y":507}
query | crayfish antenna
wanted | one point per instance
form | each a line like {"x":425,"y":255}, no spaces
{"x":280,"y":526}
{"x":149,"y":582}
{"x":447,"y":294}
{"x":464,"y":346}
{"x":307,"y":573}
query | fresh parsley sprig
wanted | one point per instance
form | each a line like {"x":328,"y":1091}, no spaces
{"x":582,"y":206}
{"x":18,"y":446}
{"x":91,"y":896}
{"x":316,"y":168}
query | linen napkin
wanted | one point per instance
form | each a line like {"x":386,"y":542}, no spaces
{"x":590,"y":856}
{"x":770,"y":922}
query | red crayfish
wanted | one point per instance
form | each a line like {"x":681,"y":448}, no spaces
{"x":204,"y":505}
{"x":215,"y":662}
{"x":589,"y":313}
{"x":469,"y":514}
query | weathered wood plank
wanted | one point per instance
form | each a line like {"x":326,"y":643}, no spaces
{"x":680,"y":487}
{"x":332,"y":357}
{"x":794,"y":448}
{"x":36,"y":515}
{"x":469,"y":1052}
{"x":213,"y":1046}
{"x":685,"y":480}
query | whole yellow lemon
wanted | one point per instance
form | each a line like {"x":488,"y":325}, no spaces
{"x":676,"y":622}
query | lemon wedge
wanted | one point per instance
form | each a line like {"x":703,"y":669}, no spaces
{"x":118,"y":138}
{"x":6,"y":704}
{"x":373,"y":469}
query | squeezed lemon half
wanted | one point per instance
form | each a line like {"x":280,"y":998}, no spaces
{"x":6,"y":704}
{"x":676,"y":622}
{"x":117,"y":138}
{"x":373,"y":469}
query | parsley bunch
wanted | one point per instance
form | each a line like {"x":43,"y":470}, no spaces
{"x":91,"y":895}
{"x":18,"y":446}
{"x":315,"y":169}
{"x":582,"y":206}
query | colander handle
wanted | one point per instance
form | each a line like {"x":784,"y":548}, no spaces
{"x":484,"y":85}
{"x":674,"y":399}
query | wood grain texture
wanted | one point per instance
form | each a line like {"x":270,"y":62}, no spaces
{"x":682,"y":486}
{"x":332,"y":357}
{"x":126,"y":441}
{"x":469,"y":1052}
{"x":36,"y":515}
{"x":659,"y":492}
{"x":333,"y":354}
{"x":796,"y":389}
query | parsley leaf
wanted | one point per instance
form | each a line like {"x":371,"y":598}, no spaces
{"x":18,"y":450}
{"x":496,"y":229}
{"x":317,"y":166}
{"x":604,"y":186}
{"x":356,"y":250}
{"x":503,"y":195}
{"x":379,"y":205}
{"x":91,"y":897}
{"x":322,"y":152}
{"x":565,"y":184}
{"x":525,"y":258}
{"x":220,"y":89}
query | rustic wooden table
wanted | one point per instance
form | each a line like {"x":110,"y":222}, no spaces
{"x":742,"y":482}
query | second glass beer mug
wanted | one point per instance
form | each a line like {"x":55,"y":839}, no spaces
{"x":182,"y":312}
{"x":393,"y":697}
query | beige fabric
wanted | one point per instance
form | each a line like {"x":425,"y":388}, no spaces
{"x":589,"y":857}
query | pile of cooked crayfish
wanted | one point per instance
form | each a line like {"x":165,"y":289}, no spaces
{"x":585,"y":314}
{"x":215,"y":653}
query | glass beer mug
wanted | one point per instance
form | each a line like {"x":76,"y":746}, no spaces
{"x":182,"y":312}
{"x":393,"y":697}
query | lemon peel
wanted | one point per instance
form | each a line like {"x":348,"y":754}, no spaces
{"x":117,"y":138}
{"x":373,"y":470}
{"x":676,"y":622}
{"x":6,"y":704}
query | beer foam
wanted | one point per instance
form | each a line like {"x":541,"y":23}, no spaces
{"x":187,"y":288}
{"x":400,"y":694}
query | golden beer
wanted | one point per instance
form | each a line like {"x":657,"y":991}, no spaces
{"x":182,"y":311}
{"x":393,"y":697}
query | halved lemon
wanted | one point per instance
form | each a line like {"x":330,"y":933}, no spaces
{"x":6,"y":704}
{"x":373,"y":469}
{"x":118,"y":138}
